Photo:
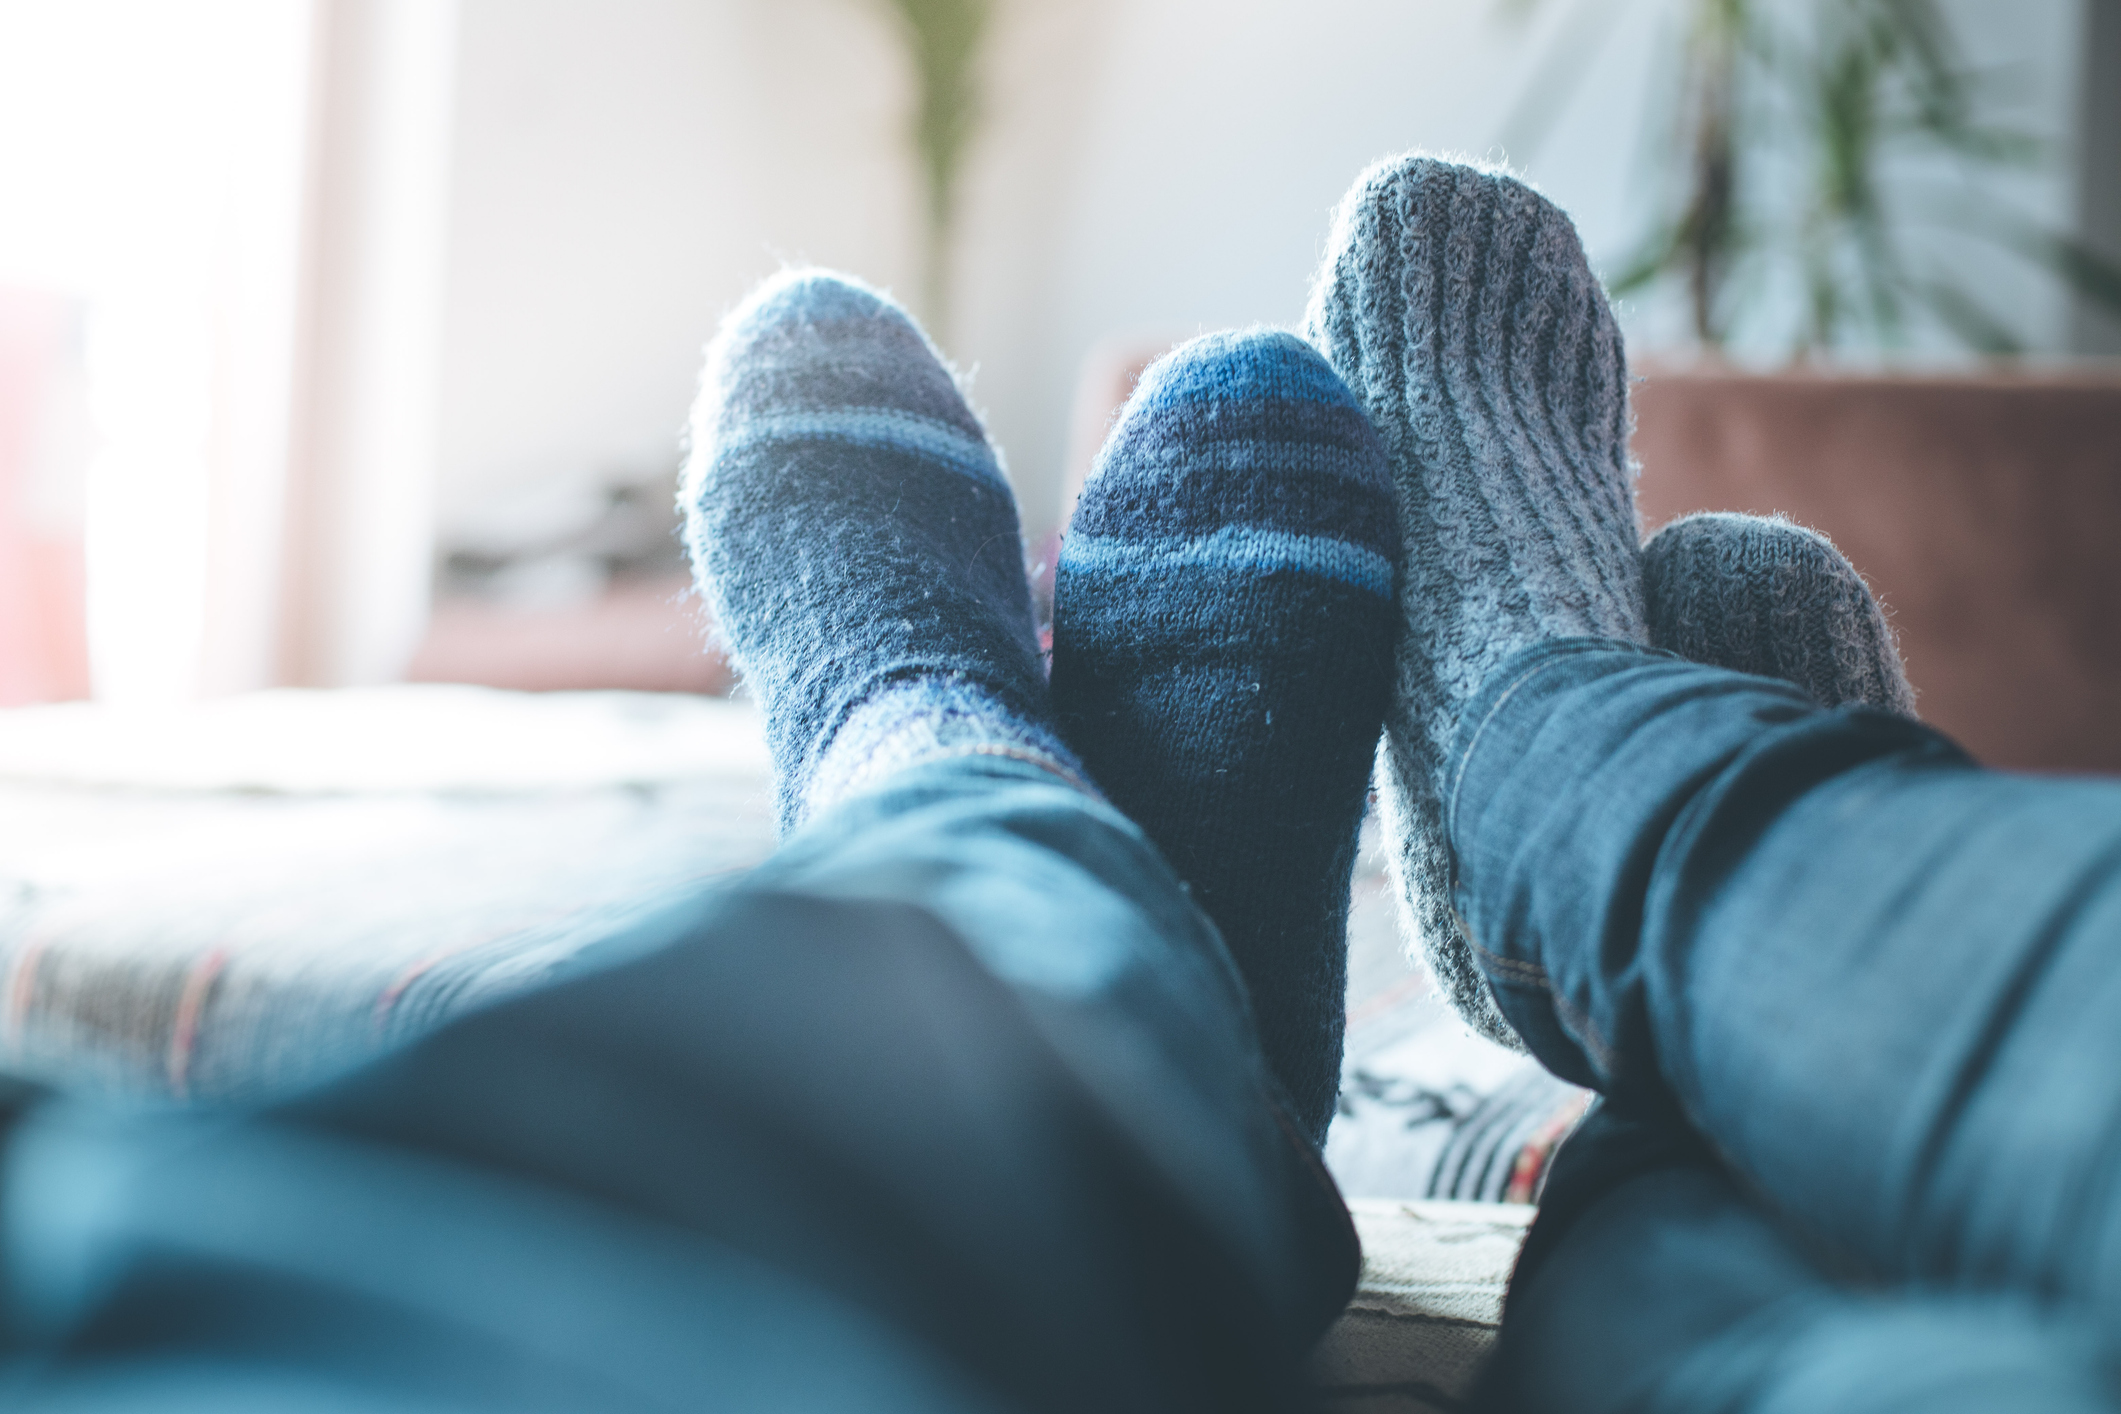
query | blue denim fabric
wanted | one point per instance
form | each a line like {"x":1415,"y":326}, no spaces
{"x":1654,"y":1284}
{"x":952,"y":1106}
{"x":1881,"y":982}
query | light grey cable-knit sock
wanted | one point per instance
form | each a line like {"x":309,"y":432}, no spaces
{"x":1457,"y":303}
{"x":1762,"y":595}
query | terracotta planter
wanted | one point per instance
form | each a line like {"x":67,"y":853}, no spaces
{"x":1985,"y":510}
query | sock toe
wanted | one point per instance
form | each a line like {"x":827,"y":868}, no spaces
{"x":1765,"y":596}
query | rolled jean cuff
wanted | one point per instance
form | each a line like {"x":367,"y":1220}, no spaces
{"x":1528,"y":673}
{"x":1596,"y":798}
{"x":1511,"y":704}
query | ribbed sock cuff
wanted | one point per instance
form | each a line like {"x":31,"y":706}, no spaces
{"x":918,"y":720}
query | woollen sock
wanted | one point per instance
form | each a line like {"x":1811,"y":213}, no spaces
{"x":1457,"y":303}
{"x":858,"y":547}
{"x":1765,"y":596}
{"x":1221,"y":662}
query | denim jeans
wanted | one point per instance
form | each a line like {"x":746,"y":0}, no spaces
{"x":1853,"y":1001}
{"x":953,"y":1105}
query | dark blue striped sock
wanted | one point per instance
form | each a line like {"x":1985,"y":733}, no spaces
{"x":1222,"y":661}
{"x":854,"y":537}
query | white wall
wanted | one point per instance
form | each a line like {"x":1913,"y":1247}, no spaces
{"x":360,"y":524}
{"x":1214,"y":138}
{"x":625,"y":168}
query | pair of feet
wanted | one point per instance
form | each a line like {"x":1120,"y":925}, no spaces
{"x":1285,"y":547}
{"x":1221,"y":651}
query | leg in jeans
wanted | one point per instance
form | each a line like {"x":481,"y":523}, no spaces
{"x":1879,"y":979}
{"x":1652,"y":1283}
{"x":956,"y":1104}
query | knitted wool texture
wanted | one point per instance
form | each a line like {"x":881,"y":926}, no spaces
{"x":1221,"y":661}
{"x":1768,"y":597}
{"x":856,"y":542}
{"x":1457,"y":303}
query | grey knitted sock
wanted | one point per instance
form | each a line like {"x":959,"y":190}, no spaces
{"x":1761,"y":595}
{"x":1457,"y":303}
{"x":853,"y":533}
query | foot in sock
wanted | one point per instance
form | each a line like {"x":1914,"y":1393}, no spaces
{"x":1761,"y":595}
{"x":858,"y":547}
{"x":1221,"y":661}
{"x":1458,"y":305}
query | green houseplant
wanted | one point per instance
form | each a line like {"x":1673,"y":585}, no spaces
{"x":943,"y":40}
{"x":1809,"y":151}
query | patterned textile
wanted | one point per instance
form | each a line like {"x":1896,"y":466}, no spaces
{"x":1762,"y":595}
{"x":1428,"y":1108}
{"x":235,"y":898}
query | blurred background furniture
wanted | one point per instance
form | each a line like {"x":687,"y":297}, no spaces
{"x":1983,"y":507}
{"x":644,"y":635}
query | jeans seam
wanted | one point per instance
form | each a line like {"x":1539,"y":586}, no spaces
{"x":1515,"y":970}
{"x":1586,"y":1031}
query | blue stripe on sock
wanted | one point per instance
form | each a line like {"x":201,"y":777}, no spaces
{"x":1243,"y":549}
{"x":1148,"y":453}
{"x":1233,"y":368}
{"x":872,"y":427}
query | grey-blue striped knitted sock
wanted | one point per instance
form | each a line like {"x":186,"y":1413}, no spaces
{"x":1457,"y":302}
{"x":1761,"y":595}
{"x":858,"y":546}
{"x":1221,"y":661}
